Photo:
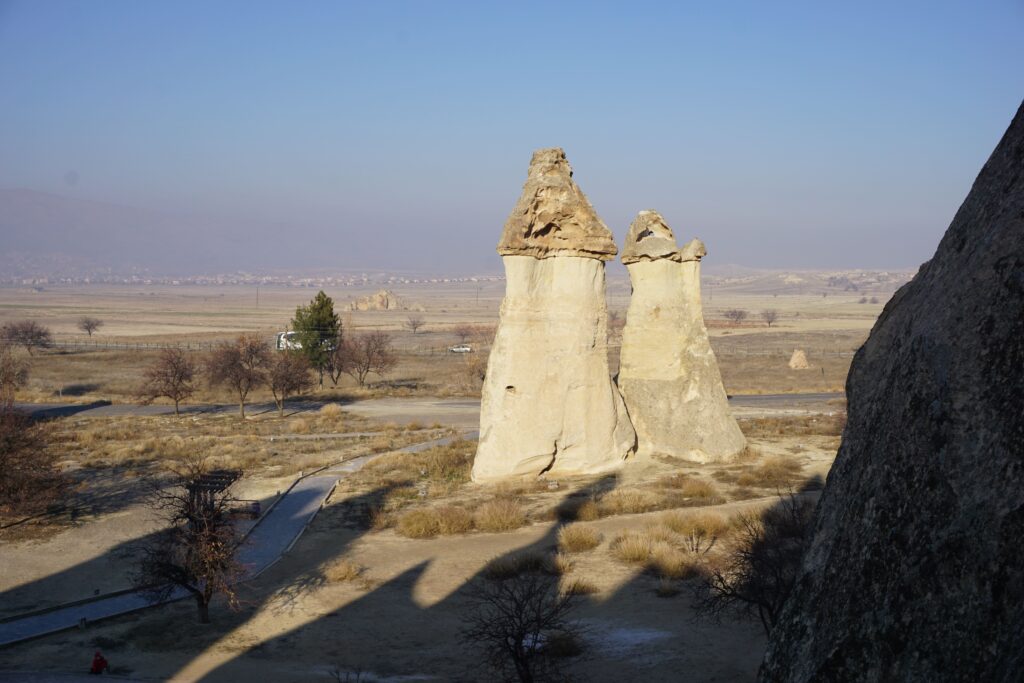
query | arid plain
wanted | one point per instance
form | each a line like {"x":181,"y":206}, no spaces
{"x":377,"y":582}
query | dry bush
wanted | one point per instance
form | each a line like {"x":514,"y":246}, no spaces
{"x":629,"y":501}
{"x":775,"y":472}
{"x":701,"y":489}
{"x":588,"y":511}
{"x":418,"y":523}
{"x":757,"y":573}
{"x":667,"y":588}
{"x":669,"y":562}
{"x":453,"y":520}
{"x":299,"y":425}
{"x":698,"y":532}
{"x":578,"y":538}
{"x":558,"y":564}
{"x":29,"y":476}
{"x":819,"y":425}
{"x":342,"y":570}
{"x":631,"y":547}
{"x":499,"y":515}
{"x":578,"y":586}
{"x":509,"y":566}
{"x":332,"y":410}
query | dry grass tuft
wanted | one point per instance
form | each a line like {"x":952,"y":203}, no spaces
{"x":342,"y":570}
{"x":631,"y":547}
{"x":629,"y":501}
{"x":578,"y":538}
{"x":499,"y":515}
{"x":700,"y":489}
{"x":669,"y":562}
{"x":667,"y":588}
{"x":418,"y":523}
{"x":444,"y":520}
{"x":775,"y":472}
{"x":331,"y":410}
{"x":510,"y":566}
{"x":577,"y":586}
{"x":558,"y":564}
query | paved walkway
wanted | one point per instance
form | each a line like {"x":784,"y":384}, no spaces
{"x":275,"y":533}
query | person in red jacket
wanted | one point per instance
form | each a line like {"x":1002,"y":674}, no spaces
{"x":99,"y":664}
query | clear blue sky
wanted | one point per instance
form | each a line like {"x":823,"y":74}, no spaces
{"x":785,"y":134}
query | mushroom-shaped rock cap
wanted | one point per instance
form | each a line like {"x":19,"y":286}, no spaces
{"x":649,"y":239}
{"x":553,"y":217}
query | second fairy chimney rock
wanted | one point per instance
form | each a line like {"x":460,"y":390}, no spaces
{"x":668,"y":374}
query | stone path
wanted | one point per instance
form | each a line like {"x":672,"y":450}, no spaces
{"x":275,"y":533}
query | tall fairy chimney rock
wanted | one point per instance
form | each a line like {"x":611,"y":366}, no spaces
{"x":668,"y":374}
{"x":548,"y":402}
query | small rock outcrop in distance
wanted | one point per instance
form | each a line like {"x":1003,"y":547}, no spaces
{"x":668,"y":374}
{"x":915,"y":571}
{"x":548,"y":401}
{"x":798,"y":361}
{"x":384,"y":300}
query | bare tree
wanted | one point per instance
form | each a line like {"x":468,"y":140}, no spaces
{"x":197,"y":551}
{"x":289,"y":374}
{"x":239,"y":365}
{"x":171,"y":376}
{"x":735,"y":315}
{"x":335,"y":366}
{"x":365,"y":353}
{"x":513,"y":620}
{"x":463,"y":332}
{"x":759,"y":570}
{"x":27,"y":333}
{"x":30,"y":478}
{"x":414,"y":322}
{"x":769,"y":315}
{"x":89,"y":325}
{"x":13,"y":374}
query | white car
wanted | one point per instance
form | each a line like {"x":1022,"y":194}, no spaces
{"x":461,"y":348}
{"x":288,"y":340}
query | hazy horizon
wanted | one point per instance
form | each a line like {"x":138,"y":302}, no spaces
{"x":241,"y":136}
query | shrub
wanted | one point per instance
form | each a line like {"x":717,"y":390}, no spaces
{"x":509,"y":566}
{"x":453,"y":520}
{"x":670,"y":562}
{"x":629,"y":501}
{"x":499,"y":515}
{"x":697,"y":531}
{"x":557,"y":564}
{"x":331,"y":410}
{"x":632,"y":548}
{"x":579,"y":587}
{"x":428,"y":522}
{"x":759,"y":570}
{"x":578,"y":538}
{"x":342,"y":570}
{"x":703,"y":490}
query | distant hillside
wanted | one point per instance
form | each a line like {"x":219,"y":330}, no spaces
{"x":811,"y":282}
{"x":43,"y":231}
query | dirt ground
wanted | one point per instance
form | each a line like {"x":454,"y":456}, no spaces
{"x":401,"y":618}
{"x":753,"y":356}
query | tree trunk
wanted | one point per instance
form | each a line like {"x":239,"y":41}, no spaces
{"x":241,"y":407}
{"x":176,"y":413}
{"x":280,"y":406}
{"x":204,"y":611}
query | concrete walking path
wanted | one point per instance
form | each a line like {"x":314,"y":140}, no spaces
{"x":272,"y":536}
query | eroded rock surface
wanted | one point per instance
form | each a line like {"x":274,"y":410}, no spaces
{"x":553,"y":217}
{"x":548,"y":401}
{"x":916,"y":568}
{"x":668,"y":374}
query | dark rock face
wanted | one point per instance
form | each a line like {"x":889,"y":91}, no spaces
{"x":916,"y":570}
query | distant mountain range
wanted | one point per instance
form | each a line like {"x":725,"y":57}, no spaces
{"x":42,"y":232}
